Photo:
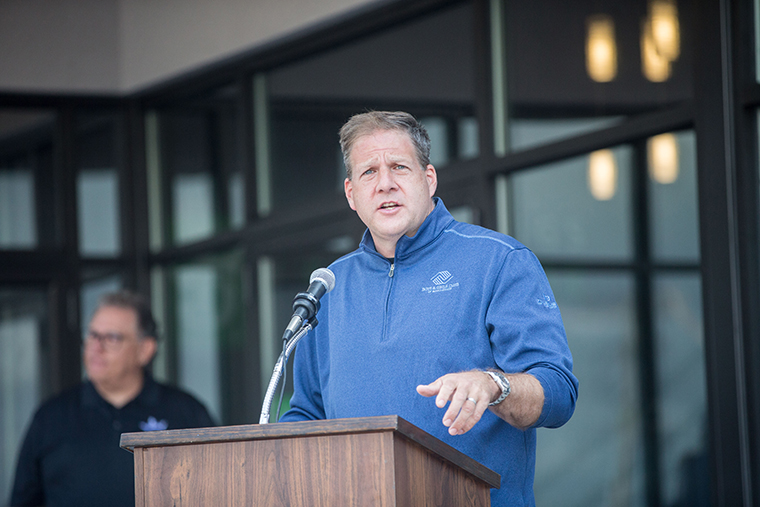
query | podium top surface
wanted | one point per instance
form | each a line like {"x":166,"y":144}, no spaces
{"x":392,"y":423}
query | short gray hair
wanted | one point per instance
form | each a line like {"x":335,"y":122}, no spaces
{"x":366,"y":123}
{"x":146,"y":324}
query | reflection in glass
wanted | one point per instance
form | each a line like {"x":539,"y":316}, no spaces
{"x":468,"y":138}
{"x":601,"y":447}
{"x":439,"y":140}
{"x":280,"y":278}
{"x":195,"y":167}
{"x":90,"y":294}
{"x":602,"y":174}
{"x":98,"y":185}
{"x":270,"y":344}
{"x":527,"y":133}
{"x":674,"y":210}
{"x":681,"y":389}
{"x":662,"y":156}
{"x":236,"y":193}
{"x":309,"y":100}
{"x":98,"y":214}
{"x":654,"y":66}
{"x":23,"y":342}
{"x":27,"y":206}
{"x":197,"y":334}
{"x":556,"y":215}
{"x":579,"y":62}
{"x":660,"y":40}
{"x":466,"y":214}
{"x":18,"y":228}
{"x":207,"y":330}
{"x":666,"y":28}
{"x":601,"y":49}
{"x":756,"y":5}
{"x":192,"y":207}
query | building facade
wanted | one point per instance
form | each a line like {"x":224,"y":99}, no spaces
{"x":190,"y":152}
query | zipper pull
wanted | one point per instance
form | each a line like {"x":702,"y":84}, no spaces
{"x":390,"y":273}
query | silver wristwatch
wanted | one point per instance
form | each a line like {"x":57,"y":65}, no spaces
{"x":503,"y":382}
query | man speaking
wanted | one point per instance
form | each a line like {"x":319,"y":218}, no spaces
{"x":428,"y":312}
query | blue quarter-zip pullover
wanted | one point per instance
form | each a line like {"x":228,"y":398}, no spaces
{"x":456,"y":297}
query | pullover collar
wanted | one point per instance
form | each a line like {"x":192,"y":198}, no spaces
{"x":433,"y":226}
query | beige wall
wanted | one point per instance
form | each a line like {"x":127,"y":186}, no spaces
{"x":103,"y":46}
{"x":59,"y":45}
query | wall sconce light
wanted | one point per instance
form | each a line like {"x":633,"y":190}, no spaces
{"x":660,"y":40}
{"x":666,"y":30}
{"x":602,"y":175}
{"x":601,"y":50}
{"x":662,"y":154}
{"x":655,"y":67}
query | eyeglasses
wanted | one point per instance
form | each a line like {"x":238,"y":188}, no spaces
{"x":109,"y":341}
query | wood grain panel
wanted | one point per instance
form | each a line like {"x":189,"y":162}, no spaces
{"x":187,"y":476}
{"x":424,"y":478}
{"x":379,"y":461}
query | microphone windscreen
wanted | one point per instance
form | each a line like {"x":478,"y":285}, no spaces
{"x":325,"y":276}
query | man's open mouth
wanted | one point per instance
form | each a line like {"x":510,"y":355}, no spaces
{"x":388,"y":205}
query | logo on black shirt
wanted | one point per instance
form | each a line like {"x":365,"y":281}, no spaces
{"x":152,"y":424}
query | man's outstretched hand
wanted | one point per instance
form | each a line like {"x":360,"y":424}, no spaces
{"x":469,"y":392}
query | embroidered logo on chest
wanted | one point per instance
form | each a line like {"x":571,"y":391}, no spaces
{"x":441,"y":280}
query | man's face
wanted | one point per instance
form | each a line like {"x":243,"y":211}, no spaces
{"x":114,"y":353}
{"x":388,"y":189}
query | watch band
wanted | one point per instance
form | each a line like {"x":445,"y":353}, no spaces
{"x":503,"y":382}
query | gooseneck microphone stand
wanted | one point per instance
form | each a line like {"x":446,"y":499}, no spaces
{"x":279,"y":367}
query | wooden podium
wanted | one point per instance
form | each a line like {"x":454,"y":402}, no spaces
{"x":373,"y":461}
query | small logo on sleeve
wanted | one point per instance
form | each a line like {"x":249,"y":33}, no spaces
{"x":152,"y":424}
{"x":546,"y":302}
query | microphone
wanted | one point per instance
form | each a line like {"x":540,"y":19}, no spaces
{"x":306,"y":304}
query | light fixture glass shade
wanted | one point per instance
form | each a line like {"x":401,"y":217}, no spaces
{"x":655,"y":67}
{"x":666,"y":30}
{"x":601,"y":50}
{"x":662,"y":153}
{"x":602,"y":174}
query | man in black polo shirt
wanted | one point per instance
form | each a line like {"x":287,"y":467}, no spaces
{"x":71,"y":454}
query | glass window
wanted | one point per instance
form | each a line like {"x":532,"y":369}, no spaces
{"x":309,"y":101}
{"x":18,"y":227}
{"x":597,"y":457}
{"x":207,"y":331}
{"x":90,"y":294}
{"x":561,"y":69}
{"x":576,"y":209}
{"x":280,"y":277}
{"x":198,"y":334}
{"x":674,"y":210}
{"x":757,"y":40}
{"x":27,"y":204}
{"x":23,"y":382}
{"x":681,"y":389}
{"x":195,"y":168}
{"x":527,"y":133}
{"x":98,"y":185}
{"x":566,"y":216}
